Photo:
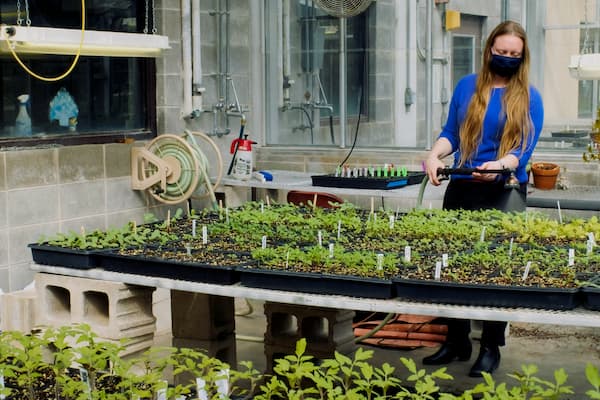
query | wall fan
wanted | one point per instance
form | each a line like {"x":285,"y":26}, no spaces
{"x":174,"y":168}
{"x":343,"y":9}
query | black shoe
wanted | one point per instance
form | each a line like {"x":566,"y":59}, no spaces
{"x":487,"y":361}
{"x":448,"y":353}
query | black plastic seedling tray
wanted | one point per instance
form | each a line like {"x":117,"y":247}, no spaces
{"x":363,"y":182}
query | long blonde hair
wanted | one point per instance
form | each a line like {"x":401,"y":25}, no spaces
{"x":515,"y":101}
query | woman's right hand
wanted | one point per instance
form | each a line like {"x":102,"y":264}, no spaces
{"x":432,"y":164}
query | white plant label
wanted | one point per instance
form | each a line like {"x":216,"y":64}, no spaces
{"x":571,"y":257}
{"x":188,"y":250}
{"x":262,"y":208}
{"x":135,"y":397}
{"x":526,"y":272}
{"x":510,"y":247}
{"x":589,"y":248}
{"x":392,"y":221}
{"x":482,"y":236}
{"x":438,"y":270}
{"x":204,"y":234}
{"x":330,"y":250}
{"x":263,"y":243}
{"x":591,"y":238}
{"x":339,"y":229}
{"x":320,"y":238}
{"x":2,"y":397}
{"x":200,"y":389}
{"x":194,"y":228}
{"x":560,"y":219}
{"x":445,"y":260}
{"x":222,"y":383}
{"x":226,"y":215}
{"x":379,"y":262}
{"x":407,"y":255}
{"x":161,"y":394}
{"x":287,"y":259}
{"x":85,"y":378}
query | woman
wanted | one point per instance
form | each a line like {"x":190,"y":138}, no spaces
{"x":494,"y":122}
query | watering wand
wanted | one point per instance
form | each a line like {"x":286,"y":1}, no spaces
{"x":511,"y":181}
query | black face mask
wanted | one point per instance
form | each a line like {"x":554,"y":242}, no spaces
{"x":504,"y":66}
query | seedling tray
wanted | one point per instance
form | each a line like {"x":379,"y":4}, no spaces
{"x":363,"y":182}
{"x":185,"y":271}
{"x":47,"y":254}
{"x":306,"y":282}
{"x":487,"y":295}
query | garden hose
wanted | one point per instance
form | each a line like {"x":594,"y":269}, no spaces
{"x":204,"y":165}
{"x":373,"y":331}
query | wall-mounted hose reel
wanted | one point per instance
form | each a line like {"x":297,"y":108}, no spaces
{"x":173,"y":168}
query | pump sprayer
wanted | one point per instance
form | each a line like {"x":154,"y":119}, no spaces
{"x":242,"y":159}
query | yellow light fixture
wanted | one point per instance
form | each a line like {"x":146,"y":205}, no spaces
{"x":585,"y":66}
{"x":39,"y":40}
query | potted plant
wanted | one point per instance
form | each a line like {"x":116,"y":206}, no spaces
{"x":544,"y":175}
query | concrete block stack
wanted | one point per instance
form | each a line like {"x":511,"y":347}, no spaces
{"x":326,"y":330}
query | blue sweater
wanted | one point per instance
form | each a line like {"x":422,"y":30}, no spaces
{"x":493,"y":125}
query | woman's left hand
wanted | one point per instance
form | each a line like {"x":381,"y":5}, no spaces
{"x":481,"y":176}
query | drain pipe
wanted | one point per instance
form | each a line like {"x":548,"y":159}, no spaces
{"x":429,"y":76}
{"x":287,"y":82}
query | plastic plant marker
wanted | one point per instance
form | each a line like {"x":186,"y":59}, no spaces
{"x":287,"y":259}
{"x":188,"y":250}
{"x":320,"y":238}
{"x":438,"y":270}
{"x":526,"y":272}
{"x":407,"y":255}
{"x":2,"y":397}
{"x":589,"y":248}
{"x":591,"y":238}
{"x":510,"y":247}
{"x":264,"y":242}
{"x":571,"y":257}
{"x":168,"y":219}
{"x":330,"y":250}
{"x":201,"y":389}
{"x":392,"y":220}
{"x":262,"y":207}
{"x":193,"y":228}
{"x":445,"y":260}
{"x":560,"y":219}
{"x":222,"y":383}
{"x":339,"y":229}
{"x":85,"y":378}
{"x":227,"y":215}
{"x":482,"y":236}
{"x":204,"y":234}
{"x":379,"y":261}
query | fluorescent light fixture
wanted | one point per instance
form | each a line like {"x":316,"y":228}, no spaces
{"x":37,"y":40}
{"x":585,"y":66}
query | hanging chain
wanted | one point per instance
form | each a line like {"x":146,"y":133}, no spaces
{"x":19,"y":19}
{"x":154,"y":30}
{"x":586,"y":35}
{"x":27,"y":19}
{"x":146,"y":18}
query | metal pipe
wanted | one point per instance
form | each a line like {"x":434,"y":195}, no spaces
{"x":569,"y":204}
{"x":342,"y":83}
{"x":186,"y":50}
{"x":285,"y":32}
{"x":429,"y":76}
{"x":197,"y":88}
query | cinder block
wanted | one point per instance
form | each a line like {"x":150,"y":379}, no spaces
{"x":113,"y":310}
{"x":201,"y":316}
{"x":223,"y":349}
{"x":325,"y":329}
{"x":18,"y":312}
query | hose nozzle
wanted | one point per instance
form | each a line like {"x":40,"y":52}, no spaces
{"x":512,"y":182}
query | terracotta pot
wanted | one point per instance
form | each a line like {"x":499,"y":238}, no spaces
{"x":544,"y":175}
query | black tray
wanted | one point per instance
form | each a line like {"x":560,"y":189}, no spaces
{"x":590,"y":297}
{"x":382,"y":183}
{"x":47,"y":254}
{"x":487,"y":295}
{"x":305,"y":282}
{"x":186,"y":271}
{"x":572,"y":133}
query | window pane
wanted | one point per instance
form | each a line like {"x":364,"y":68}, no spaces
{"x":100,"y":95}
{"x":463,"y":54}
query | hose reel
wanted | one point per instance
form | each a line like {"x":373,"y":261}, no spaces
{"x":174,"y":168}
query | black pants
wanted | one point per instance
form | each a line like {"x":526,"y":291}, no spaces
{"x":471,"y":195}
